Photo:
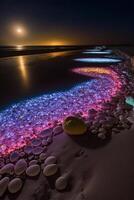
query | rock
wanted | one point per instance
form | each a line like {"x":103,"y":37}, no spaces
{"x":47,"y":132}
{"x":57,"y":130}
{"x":14,"y":156}
{"x":74,"y":126}
{"x":50,"y":170}
{"x":7,"y":169}
{"x":33,"y":162}
{"x":49,"y":140}
{"x":42,"y":156}
{"x":33,"y":170}
{"x":50,"y":160}
{"x":31,"y":157}
{"x":22,"y":154}
{"x":20,"y":167}
{"x":101,"y":136}
{"x":28,"y":149}
{"x":61,"y":183}
{"x":3,"y":185}
{"x":36,"y":142}
{"x":37,"y":150}
{"x":15,"y":185}
{"x":44,"y":142}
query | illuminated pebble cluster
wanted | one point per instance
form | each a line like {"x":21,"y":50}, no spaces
{"x":25,"y":120}
{"x":99,"y":60}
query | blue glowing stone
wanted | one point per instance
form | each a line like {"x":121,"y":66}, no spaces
{"x":130,"y":101}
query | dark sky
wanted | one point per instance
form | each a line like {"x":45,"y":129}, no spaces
{"x":67,"y":21}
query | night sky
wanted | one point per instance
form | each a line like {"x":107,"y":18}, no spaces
{"x":67,"y":21}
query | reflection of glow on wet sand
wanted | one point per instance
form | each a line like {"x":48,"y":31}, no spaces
{"x":23,"y":70}
{"x":98,"y":60}
{"x":24,"y":120}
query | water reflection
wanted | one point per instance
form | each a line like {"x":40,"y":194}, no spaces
{"x":23,"y":70}
{"x":19,"y":47}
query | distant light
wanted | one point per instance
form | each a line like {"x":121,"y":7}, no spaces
{"x":99,"y":60}
{"x":19,"y":47}
{"x":19,"y":30}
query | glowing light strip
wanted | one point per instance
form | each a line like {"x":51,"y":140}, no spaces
{"x":98,"y":60}
{"x":25,"y":120}
{"x":97,"y":52}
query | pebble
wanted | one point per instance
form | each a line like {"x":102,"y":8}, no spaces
{"x":101,"y":136}
{"x":61,"y":183}
{"x":50,"y":170}
{"x":74,"y":126}
{"x":33,"y":170}
{"x":57,"y":130}
{"x":36,"y":142}
{"x":50,"y":160}
{"x":20,"y":167}
{"x":15,"y":185}
{"x":42,"y":156}
{"x":33,"y":162}
{"x":37,"y":150}
{"x":28,"y":149}
{"x":3,"y":185}
{"x":14,"y":156}
{"x":46,"y":132}
{"x":7,"y":169}
{"x":44,"y":142}
{"x":22,"y":154}
{"x":49,"y":140}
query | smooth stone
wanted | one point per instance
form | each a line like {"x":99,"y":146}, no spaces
{"x":42,"y":156}
{"x":28,"y":149}
{"x":101,"y":136}
{"x":50,"y":160}
{"x":61,"y":183}
{"x":44,"y":142}
{"x":37,"y":150}
{"x":33,"y":170}
{"x":50,"y":170}
{"x":33,"y":162}
{"x":36,"y":142}
{"x":74,"y":126}
{"x":15,"y":185}
{"x":49,"y":140}
{"x":57,"y":130}
{"x":22,"y":154}
{"x":7,"y":169}
{"x":3,"y":185}
{"x":20,"y":167}
{"x":14,"y":156}
{"x":46,"y":132}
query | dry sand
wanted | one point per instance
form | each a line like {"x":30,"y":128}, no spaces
{"x":96,"y":172}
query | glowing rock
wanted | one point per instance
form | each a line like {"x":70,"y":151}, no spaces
{"x":130,"y":101}
{"x":74,"y":126}
{"x":98,"y":60}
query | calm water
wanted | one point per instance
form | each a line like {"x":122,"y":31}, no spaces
{"x":26,"y":76}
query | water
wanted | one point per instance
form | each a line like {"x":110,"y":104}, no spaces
{"x":26,"y":76}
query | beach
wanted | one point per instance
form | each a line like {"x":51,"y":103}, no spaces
{"x":51,"y":162}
